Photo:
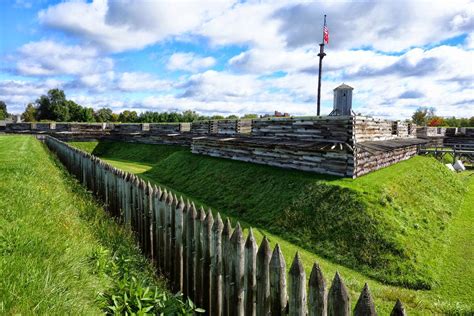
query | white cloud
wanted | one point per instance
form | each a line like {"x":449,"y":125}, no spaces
{"x":126,"y":24}
{"x":212,"y":85}
{"x":385,"y":25}
{"x":469,"y":42}
{"x":245,"y":23}
{"x":47,"y":58}
{"x":138,"y":81}
{"x":189,"y":62}
{"x":18,"y":93}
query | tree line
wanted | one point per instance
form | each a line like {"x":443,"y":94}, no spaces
{"x":426,"y":116}
{"x":55,"y":107}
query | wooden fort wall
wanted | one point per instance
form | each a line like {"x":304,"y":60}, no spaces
{"x":336,"y":128}
{"x":367,"y":161}
{"x":318,"y":144}
{"x":372,"y":129}
{"x":325,"y":158}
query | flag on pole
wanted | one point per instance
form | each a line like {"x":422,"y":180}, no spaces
{"x":326,"y":34}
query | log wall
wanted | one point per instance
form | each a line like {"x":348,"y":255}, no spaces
{"x":338,"y":128}
{"x":169,"y":128}
{"x":234,"y":127}
{"x":429,"y":131}
{"x":317,"y":144}
{"x":329,"y":158}
{"x":367,"y":162}
{"x":129,"y":128}
{"x":372,"y":129}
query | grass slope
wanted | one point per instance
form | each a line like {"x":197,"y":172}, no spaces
{"x":389,"y":224}
{"x":58,"y":249}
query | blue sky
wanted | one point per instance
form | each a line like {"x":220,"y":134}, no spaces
{"x":236,"y":57}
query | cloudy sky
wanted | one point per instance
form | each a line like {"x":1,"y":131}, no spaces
{"x":235,"y":57}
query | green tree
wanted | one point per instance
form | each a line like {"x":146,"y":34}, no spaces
{"x":53,"y":107}
{"x":232,"y":117}
{"x":114,"y":117}
{"x":75,"y":111}
{"x":422,"y":115}
{"x":103,"y":115}
{"x":471,"y":121}
{"x":29,"y":115}
{"x":128,"y":117}
{"x":3,"y":110}
{"x":87,"y":115}
{"x":217,"y":117}
{"x":250,"y":116}
{"x":189,"y":116}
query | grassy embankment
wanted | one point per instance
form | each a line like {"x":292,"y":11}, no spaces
{"x":399,"y":225}
{"x":60,"y":254}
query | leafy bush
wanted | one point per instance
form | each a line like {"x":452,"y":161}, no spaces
{"x":132,"y":297}
{"x":133,"y":293}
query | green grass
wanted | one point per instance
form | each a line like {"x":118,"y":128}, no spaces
{"x":391,"y":225}
{"x":60,"y":254}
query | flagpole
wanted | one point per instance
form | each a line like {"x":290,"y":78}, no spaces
{"x":321,"y":56}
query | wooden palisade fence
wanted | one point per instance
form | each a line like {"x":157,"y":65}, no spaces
{"x":206,"y":258}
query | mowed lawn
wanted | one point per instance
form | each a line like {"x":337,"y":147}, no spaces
{"x":59,"y":252}
{"x":426,"y":208}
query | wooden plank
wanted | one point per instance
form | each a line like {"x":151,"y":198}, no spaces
{"x":216,"y":262}
{"x":338,"y":298}
{"x":297,"y":288}
{"x":250,"y":287}
{"x":263,"y":278}
{"x":237,"y":272}
{"x":317,"y":293}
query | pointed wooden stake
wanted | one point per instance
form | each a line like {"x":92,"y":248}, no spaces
{"x":317,"y":293}
{"x":398,"y":309}
{"x":365,"y":304}
{"x":338,"y":298}
{"x":297,"y":288}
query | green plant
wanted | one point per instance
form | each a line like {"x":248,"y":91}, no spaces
{"x":135,"y":298}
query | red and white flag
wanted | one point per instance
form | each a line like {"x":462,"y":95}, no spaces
{"x":326,"y":34}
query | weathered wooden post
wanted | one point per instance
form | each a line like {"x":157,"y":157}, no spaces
{"x":365,"y":305}
{"x":250,"y":274}
{"x":169,"y":252}
{"x":278,"y":298}
{"x":237,"y":271}
{"x":173,"y":206}
{"x":338,"y":298}
{"x":143,"y":206}
{"x":263,"y":278}
{"x":157,"y":225}
{"x":317,"y":293}
{"x":297,"y":288}
{"x":164,"y":241}
{"x":226,"y":265}
{"x":207,"y":234}
{"x":178,"y":276}
{"x":147,"y":214}
{"x":216,"y":263}
{"x":191,"y":217}
{"x":398,"y":309}
{"x":185,"y":249}
{"x":198,"y":236}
